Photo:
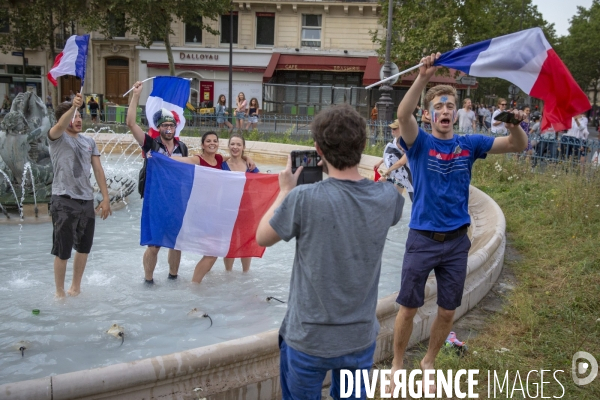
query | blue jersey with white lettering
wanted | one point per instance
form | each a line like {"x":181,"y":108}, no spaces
{"x":441,"y":171}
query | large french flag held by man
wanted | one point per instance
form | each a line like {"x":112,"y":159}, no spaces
{"x":527,"y":60}
{"x":72,"y":60}
{"x":205,"y":210}
{"x":171,"y":93}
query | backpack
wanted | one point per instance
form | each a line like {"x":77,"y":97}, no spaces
{"x":155,"y":147}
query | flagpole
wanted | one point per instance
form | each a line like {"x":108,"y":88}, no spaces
{"x":75,"y":113}
{"x":394,"y":76}
{"x":133,"y":87}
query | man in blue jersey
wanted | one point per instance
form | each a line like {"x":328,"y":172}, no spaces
{"x":441,"y":168}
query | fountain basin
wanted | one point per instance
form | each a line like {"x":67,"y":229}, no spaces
{"x":247,"y":368}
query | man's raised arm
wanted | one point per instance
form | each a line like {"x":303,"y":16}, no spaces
{"x":408,"y":125}
{"x":135,"y":129}
{"x":65,"y":120}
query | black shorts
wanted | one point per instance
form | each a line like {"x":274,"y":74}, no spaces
{"x":448,"y":260}
{"x":73,"y":223}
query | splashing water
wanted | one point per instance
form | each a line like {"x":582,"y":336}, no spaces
{"x":14,"y":193}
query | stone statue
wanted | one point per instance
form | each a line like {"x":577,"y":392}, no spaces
{"x":24,"y":139}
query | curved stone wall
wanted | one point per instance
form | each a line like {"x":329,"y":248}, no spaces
{"x":248,"y":368}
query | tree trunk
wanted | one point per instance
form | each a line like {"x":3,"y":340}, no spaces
{"x":594,"y":111}
{"x":52,"y":43}
{"x":169,"y":53}
{"x":24,"y":78}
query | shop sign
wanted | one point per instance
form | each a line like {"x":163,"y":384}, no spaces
{"x":198,"y":56}
{"x":309,"y":67}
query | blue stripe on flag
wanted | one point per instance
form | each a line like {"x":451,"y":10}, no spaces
{"x":171,"y":89}
{"x":80,"y":64}
{"x":168,"y":188}
{"x":462,"y":59}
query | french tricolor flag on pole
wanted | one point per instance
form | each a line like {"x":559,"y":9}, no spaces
{"x":72,"y":60}
{"x":527,"y":60}
{"x":205,"y":210}
{"x":171,"y":93}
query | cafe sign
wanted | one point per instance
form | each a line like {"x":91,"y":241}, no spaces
{"x":198,"y":56}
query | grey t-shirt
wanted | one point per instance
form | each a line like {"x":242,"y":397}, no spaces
{"x":465,"y":120}
{"x":340,"y":228}
{"x":72,"y":161}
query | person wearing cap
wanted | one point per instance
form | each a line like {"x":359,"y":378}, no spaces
{"x":396,"y":163}
{"x":166,"y":143}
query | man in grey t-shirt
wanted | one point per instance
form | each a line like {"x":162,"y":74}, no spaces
{"x":340,"y":225}
{"x":72,"y":204}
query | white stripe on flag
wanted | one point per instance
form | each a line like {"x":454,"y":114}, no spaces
{"x":517,"y":58}
{"x":211,"y":212}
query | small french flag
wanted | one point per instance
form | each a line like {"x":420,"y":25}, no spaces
{"x":205,"y":210}
{"x":526,"y":59}
{"x":72,"y":60}
{"x":171,"y":93}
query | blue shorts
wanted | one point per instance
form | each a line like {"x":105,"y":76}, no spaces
{"x":448,"y":260}
{"x":302,"y":375}
{"x":240,"y":115}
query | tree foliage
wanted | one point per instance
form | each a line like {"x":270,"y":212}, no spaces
{"x":151,"y":20}
{"x":580,"y":49}
{"x":424,"y":26}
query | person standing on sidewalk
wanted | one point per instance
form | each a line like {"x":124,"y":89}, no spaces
{"x":72,"y":202}
{"x":437,"y":241}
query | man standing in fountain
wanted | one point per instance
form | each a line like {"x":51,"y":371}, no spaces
{"x":437,"y":241}
{"x":72,"y":203}
{"x":340,"y":226}
{"x":168,"y":145}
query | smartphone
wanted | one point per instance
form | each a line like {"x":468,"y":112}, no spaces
{"x":308,"y":159}
{"x":509,"y":117}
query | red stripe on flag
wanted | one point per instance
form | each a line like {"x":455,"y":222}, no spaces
{"x":563,"y":98}
{"x":56,"y":62}
{"x":260,"y":191}
{"x":446,"y":157}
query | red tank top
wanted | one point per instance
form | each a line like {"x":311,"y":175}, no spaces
{"x":219,"y":159}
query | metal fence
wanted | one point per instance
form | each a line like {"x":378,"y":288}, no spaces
{"x":548,"y":148}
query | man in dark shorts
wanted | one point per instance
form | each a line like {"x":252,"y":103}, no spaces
{"x":168,"y":145}
{"x":72,"y":204}
{"x":441,"y":168}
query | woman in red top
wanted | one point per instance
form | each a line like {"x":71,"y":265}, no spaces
{"x":212,"y":159}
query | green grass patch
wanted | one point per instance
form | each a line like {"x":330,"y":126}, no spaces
{"x":553,"y":220}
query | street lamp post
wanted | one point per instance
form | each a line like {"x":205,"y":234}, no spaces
{"x":230,"y":62}
{"x":385,"y":105}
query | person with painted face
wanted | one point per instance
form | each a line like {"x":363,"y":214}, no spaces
{"x":166,"y":143}
{"x":437,"y":241}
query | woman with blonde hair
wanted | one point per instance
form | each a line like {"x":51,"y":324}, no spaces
{"x":240,"y":110}
{"x":236,"y":146}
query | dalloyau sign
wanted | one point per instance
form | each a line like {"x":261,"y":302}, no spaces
{"x":197,"y":56}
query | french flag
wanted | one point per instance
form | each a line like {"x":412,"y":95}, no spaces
{"x":204,"y":210}
{"x":72,"y":60}
{"x":171,"y":93}
{"x":527,"y":60}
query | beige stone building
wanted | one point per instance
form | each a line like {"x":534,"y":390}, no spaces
{"x":321,"y":43}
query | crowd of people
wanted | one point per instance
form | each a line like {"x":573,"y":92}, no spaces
{"x":339,"y":224}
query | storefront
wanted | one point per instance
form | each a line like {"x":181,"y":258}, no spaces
{"x":12,"y":79}
{"x":208,"y":69}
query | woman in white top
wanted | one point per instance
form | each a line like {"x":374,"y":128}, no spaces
{"x":240,"y":110}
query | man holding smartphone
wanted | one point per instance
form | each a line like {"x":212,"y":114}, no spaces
{"x":441,"y":166}
{"x":340,"y":226}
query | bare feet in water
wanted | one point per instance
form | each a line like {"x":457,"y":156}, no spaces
{"x":60,"y":294}
{"x":73,"y":291}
